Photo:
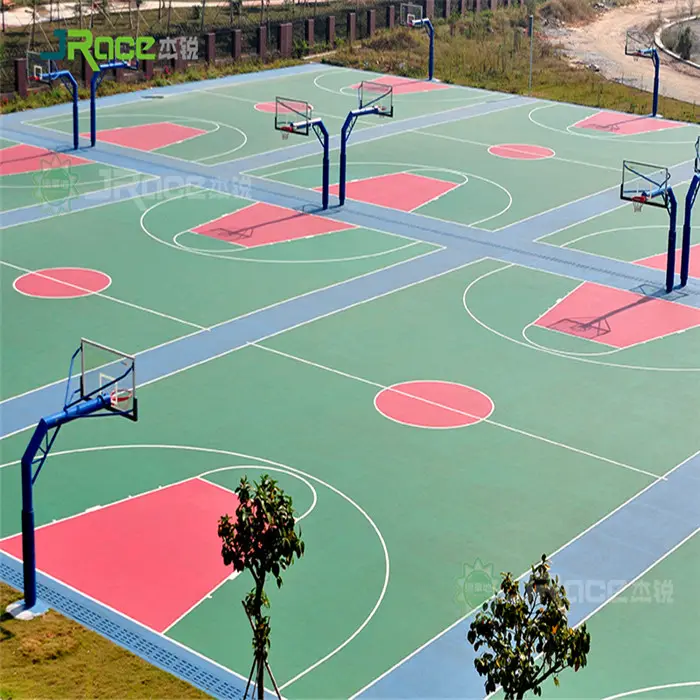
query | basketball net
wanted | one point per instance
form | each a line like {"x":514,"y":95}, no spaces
{"x":285,"y":135}
{"x":638,"y":203}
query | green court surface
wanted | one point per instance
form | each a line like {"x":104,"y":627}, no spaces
{"x":55,"y":184}
{"x":660,"y":617}
{"x":286,"y":356}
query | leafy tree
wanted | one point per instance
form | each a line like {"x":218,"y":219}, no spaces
{"x":262,"y":539}
{"x":526,"y":635}
{"x":684,"y":43}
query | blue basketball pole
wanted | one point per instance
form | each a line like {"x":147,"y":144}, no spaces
{"x":29,"y":458}
{"x":66,"y":77}
{"x":344,"y":136}
{"x":655,"y":99}
{"x":671,"y":255}
{"x":95,"y":82}
{"x":431,"y":36}
{"x":685,"y":245}
{"x":322,"y":135}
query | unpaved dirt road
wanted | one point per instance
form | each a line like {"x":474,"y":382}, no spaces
{"x":603,"y":43}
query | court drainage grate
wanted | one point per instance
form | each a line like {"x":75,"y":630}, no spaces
{"x":152,"y":647}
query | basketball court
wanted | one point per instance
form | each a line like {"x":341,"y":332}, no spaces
{"x":471,"y":362}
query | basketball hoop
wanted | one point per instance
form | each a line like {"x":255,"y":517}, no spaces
{"x":120,"y":399}
{"x":638,"y":203}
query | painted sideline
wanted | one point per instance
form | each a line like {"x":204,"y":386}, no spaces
{"x":612,"y":553}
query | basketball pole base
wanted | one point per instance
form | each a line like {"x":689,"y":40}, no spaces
{"x":19,"y":611}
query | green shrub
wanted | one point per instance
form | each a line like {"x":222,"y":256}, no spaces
{"x":684,"y":43}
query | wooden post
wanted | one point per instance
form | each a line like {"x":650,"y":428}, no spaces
{"x":284,"y":39}
{"x":21,"y":76}
{"x":390,"y":16}
{"x":210,"y":48}
{"x":262,"y":42}
{"x":371,"y":22}
{"x":352,"y":27}
{"x":309,"y":32}
{"x":330,"y":30}
{"x":236,"y":44}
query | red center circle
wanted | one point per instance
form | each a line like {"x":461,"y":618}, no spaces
{"x":433,"y":404}
{"x":521,"y":151}
{"x":62,"y":283}
{"x":266,"y":107}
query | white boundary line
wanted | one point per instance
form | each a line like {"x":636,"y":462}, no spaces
{"x":316,"y":318}
{"x":552,"y":351}
{"x":611,"y":188}
{"x":499,"y":145}
{"x":42,"y":275}
{"x":384,"y":387}
{"x":392,"y":389}
{"x":136,"y":183}
{"x":233,"y":576}
{"x":137,"y":96}
{"x":408,"y":167}
{"x":213,"y":91}
{"x":636,"y":578}
{"x":639,"y":691}
{"x":237,"y":253}
{"x":72,"y":196}
{"x":621,"y":590}
{"x":108,"y":297}
{"x":264,"y":308}
{"x":525,"y":573}
{"x":556,"y":303}
{"x":266,"y":462}
{"x":619,"y":139}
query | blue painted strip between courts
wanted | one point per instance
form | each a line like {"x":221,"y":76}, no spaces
{"x":615,"y":552}
{"x":21,"y":412}
{"x":589,"y":267}
{"x":118,"y":193}
{"x":617,"y":549}
{"x":581,"y":210}
{"x":155,"y":648}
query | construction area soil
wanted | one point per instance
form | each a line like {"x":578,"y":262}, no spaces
{"x":601,"y":46}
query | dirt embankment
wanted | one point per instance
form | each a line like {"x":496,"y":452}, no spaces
{"x":602,"y":44}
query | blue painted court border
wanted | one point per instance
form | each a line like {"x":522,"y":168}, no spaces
{"x":618,"y":549}
{"x":151,"y":646}
{"x":442,"y":668}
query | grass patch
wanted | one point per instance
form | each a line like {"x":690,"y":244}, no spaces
{"x":492,"y":51}
{"x":54,"y":657}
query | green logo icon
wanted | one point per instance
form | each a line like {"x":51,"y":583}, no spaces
{"x":55,"y":183}
{"x":477,"y":584}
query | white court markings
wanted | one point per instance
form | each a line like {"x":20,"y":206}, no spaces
{"x":597,"y":137}
{"x":55,"y":183}
{"x":552,"y":351}
{"x":265,"y":464}
{"x":411,"y":168}
{"x":428,"y":402}
{"x":174,"y":243}
{"x":99,"y":294}
{"x":348,"y":91}
{"x":171,"y":118}
{"x":592,"y":234}
{"x":652,"y":688}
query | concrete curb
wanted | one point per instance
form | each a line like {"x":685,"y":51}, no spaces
{"x":665,"y":49}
